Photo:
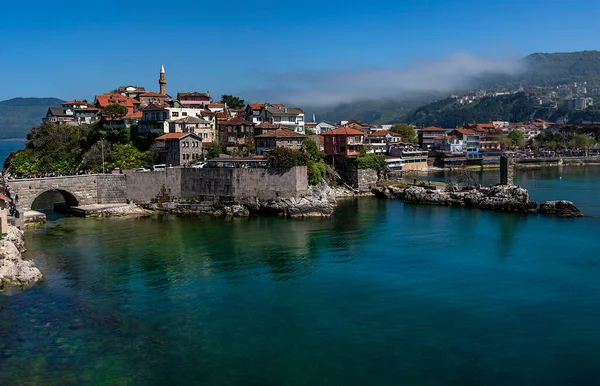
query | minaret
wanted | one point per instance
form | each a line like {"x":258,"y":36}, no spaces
{"x":162,"y":81}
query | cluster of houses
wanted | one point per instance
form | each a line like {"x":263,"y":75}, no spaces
{"x":187,"y":124}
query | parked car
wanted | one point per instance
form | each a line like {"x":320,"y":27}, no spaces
{"x":142,"y":170}
{"x":199,"y":165}
{"x":159,"y":167}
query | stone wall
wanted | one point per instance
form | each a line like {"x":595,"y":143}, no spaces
{"x":216,"y":184}
{"x":507,"y":170}
{"x":366,"y":179}
{"x":112,"y":189}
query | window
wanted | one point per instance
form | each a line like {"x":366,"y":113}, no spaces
{"x":154,"y":116}
{"x":164,"y":115}
{"x":231,"y":139}
{"x":300,"y":119}
{"x":184,"y":114}
{"x":289,"y":141}
{"x":342,"y":149}
{"x":358,"y":138}
{"x":175,"y":114}
{"x":327,"y":139}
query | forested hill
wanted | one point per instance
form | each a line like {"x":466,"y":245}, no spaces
{"x":19,"y":115}
{"x":514,"y":108}
{"x":542,"y":69}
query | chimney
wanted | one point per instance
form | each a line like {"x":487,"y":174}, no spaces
{"x":285,"y":109}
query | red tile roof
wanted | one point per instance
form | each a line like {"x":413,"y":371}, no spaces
{"x":281,"y":133}
{"x":222,"y":114}
{"x":344,"y":130}
{"x":256,"y":106}
{"x":464,"y":131}
{"x":109,"y":98}
{"x":152,"y":94}
{"x":379,"y":133}
{"x":216,"y":104}
{"x":174,"y":136}
{"x":136,"y":115}
{"x":236,"y":121}
{"x":75,"y":102}
{"x":269,"y":125}
{"x":3,"y":197}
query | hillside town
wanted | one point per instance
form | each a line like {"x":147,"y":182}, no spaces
{"x":185,"y":124}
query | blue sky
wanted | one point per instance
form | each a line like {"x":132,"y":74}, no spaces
{"x":76,"y":49}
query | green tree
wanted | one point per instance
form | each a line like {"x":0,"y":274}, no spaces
{"x":213,"y":150}
{"x":312,"y":149}
{"x":407,"y":132}
{"x":316,"y":172}
{"x":282,"y":157}
{"x":232,"y":101}
{"x":114,"y":112}
{"x":371,"y":161}
{"x":125,"y":157}
{"x":516,"y":138}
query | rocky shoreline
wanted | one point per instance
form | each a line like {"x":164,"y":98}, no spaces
{"x":14,"y":270}
{"x":318,"y":201}
{"x":503,"y":198}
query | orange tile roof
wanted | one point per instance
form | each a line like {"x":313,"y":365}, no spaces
{"x":75,"y":102}
{"x":108,"y":99}
{"x":465,"y":131}
{"x":269,"y":125}
{"x":256,"y":106}
{"x":379,"y":133}
{"x":216,"y":104}
{"x":344,"y":130}
{"x":174,"y":135}
{"x":136,"y":115}
{"x":278,"y":105}
{"x":152,"y":94}
{"x":281,"y":133}
{"x":222,"y":114}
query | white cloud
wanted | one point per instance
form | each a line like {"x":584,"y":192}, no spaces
{"x":332,"y":87}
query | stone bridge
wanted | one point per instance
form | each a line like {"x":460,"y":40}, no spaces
{"x":76,"y":190}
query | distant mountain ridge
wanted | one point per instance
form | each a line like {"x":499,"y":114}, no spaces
{"x":19,"y":115}
{"x":542,"y":69}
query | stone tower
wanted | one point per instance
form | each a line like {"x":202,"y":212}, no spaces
{"x":162,"y":81}
{"x":507,"y":170}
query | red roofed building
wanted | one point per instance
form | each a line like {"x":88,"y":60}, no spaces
{"x":112,"y":98}
{"x":177,"y":149}
{"x":75,"y":104}
{"x":152,"y":97}
{"x":194,"y":99}
{"x":236,"y":132}
{"x":343,"y":141}
{"x":427,"y":135}
{"x":279,"y":138}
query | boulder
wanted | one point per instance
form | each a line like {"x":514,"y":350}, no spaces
{"x":13,"y":268}
{"x":421,"y":195}
{"x":561,"y":208}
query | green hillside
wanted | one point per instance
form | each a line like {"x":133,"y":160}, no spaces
{"x":543,"y":69}
{"x":19,"y":115}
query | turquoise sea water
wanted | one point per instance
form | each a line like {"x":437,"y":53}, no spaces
{"x":380,"y":293}
{"x":6,"y":147}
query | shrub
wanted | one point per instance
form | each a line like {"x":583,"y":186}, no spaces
{"x":316,"y":172}
{"x":371,"y":161}
{"x":282,"y":157}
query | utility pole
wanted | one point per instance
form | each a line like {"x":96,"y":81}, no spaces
{"x":103,"y":169}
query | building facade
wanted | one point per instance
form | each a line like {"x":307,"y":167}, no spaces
{"x":179,"y":149}
{"x":279,"y":138}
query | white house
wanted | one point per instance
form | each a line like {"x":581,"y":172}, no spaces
{"x":291,"y":117}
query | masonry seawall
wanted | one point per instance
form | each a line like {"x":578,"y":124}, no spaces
{"x":216,"y":184}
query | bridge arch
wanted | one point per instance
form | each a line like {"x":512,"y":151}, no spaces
{"x":69,"y":198}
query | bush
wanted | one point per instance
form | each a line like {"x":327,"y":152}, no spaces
{"x":282,"y":157}
{"x":316,"y":172}
{"x":371,"y":161}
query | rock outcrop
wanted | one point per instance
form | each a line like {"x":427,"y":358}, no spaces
{"x":14,"y":270}
{"x":319,"y":201}
{"x":505,"y":198}
{"x":560,"y":208}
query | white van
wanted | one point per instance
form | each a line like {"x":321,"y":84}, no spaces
{"x":159,"y":167}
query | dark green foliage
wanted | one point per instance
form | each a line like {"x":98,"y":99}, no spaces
{"x":406,"y":131}
{"x":114,"y":112}
{"x":60,"y":148}
{"x":282,"y":157}
{"x":371,"y":161}
{"x":213,"y":150}
{"x":516,"y":138}
{"x":232,"y":102}
{"x":312,"y":149}
{"x":316,"y":172}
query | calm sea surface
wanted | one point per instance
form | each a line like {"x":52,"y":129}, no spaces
{"x":6,"y":147}
{"x":382,"y":293}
